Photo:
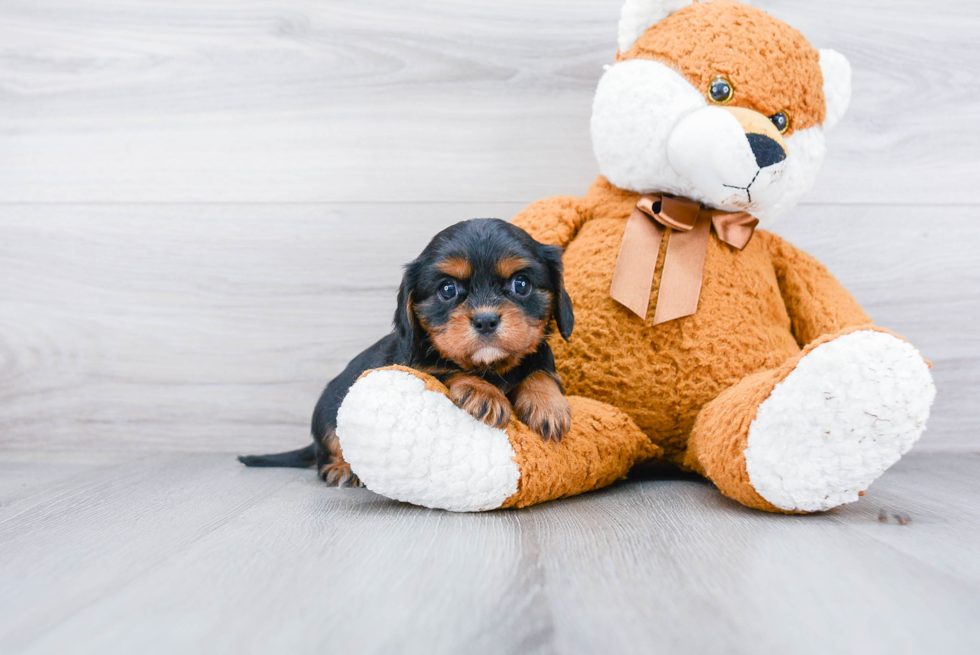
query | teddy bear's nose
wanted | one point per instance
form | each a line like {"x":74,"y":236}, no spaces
{"x":767,"y":152}
{"x":766,"y":142}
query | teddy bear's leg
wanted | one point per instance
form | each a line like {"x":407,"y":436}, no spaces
{"x":816,"y":432}
{"x":405,"y":439}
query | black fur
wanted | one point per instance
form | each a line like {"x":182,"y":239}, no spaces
{"x":300,"y":459}
{"x":483,"y":242}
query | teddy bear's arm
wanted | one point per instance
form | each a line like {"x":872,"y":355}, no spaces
{"x":554,"y":220}
{"x":816,"y":302}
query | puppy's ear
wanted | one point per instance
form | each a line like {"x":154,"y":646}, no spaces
{"x":406,"y":325}
{"x":564,"y":316}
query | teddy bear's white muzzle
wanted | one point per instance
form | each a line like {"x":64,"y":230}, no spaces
{"x":731,"y":169}
{"x":653,"y":132}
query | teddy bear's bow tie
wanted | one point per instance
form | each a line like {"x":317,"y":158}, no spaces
{"x":680,"y":283}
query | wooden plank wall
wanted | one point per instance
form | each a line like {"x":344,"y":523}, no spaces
{"x":204,"y":204}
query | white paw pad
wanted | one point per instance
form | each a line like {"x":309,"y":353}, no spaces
{"x":848,"y":411}
{"x":414,"y":445}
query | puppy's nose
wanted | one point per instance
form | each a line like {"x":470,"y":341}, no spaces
{"x":486,"y":322}
{"x":767,"y":152}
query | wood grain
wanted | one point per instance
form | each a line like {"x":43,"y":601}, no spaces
{"x":214,"y":327}
{"x":192,"y":326}
{"x":197,"y":326}
{"x":204,"y":206}
{"x":487,"y":100}
{"x":915,"y":272}
{"x":685,"y":570}
{"x":194,"y":553}
{"x":70,"y":544}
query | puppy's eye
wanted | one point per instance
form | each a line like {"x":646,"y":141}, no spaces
{"x":781,"y":121}
{"x":521,"y":285}
{"x":448,"y":290}
{"x":721,"y":91}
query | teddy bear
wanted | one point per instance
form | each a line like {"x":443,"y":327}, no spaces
{"x":701,"y":338}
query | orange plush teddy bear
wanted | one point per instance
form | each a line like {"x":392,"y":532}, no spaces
{"x":698,"y":338}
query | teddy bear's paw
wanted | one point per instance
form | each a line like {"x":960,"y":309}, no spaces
{"x":410,"y":443}
{"x":848,"y":411}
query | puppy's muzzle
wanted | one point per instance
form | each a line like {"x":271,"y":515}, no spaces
{"x":486,"y":323}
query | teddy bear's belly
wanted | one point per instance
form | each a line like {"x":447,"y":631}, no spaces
{"x":662,"y":376}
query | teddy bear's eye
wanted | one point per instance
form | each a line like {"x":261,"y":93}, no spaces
{"x":721,"y":91}
{"x":781,"y":121}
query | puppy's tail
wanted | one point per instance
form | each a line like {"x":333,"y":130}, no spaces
{"x":299,"y":459}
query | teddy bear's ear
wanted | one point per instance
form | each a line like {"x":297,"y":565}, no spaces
{"x":638,"y":15}
{"x":836,"y":86}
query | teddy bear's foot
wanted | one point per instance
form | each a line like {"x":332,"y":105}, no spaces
{"x":405,"y":439}
{"x":848,"y":411}
{"x":826,"y":425}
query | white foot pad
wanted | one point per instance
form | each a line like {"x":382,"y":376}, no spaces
{"x":847,"y":412}
{"x":411,"y":444}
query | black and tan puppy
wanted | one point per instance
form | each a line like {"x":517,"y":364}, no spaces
{"x":475,"y":311}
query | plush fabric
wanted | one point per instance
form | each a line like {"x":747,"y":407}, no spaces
{"x":779,"y":388}
{"x":406,"y":439}
{"x":705,"y":40}
{"x":409,"y":439}
{"x":654,"y":129}
{"x":602,"y":446}
{"x":662,"y":376}
{"x":795,"y":409}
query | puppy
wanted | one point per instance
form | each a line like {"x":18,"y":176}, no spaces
{"x":475,"y":310}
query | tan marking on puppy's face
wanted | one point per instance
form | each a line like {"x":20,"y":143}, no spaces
{"x":541,"y":406}
{"x":455,"y":339}
{"x":508,"y":266}
{"x":706,"y":40}
{"x":516,"y":336}
{"x":456,"y":267}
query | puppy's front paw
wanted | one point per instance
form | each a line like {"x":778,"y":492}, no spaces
{"x":541,"y":406}
{"x":480,"y":399}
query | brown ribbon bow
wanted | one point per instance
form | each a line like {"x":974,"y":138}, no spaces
{"x":680,"y":284}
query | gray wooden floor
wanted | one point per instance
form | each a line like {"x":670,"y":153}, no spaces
{"x":188,"y":552}
{"x":203,"y":210}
